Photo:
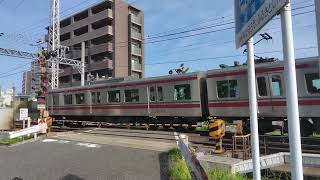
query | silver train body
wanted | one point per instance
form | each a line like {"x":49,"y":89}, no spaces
{"x":192,"y":97}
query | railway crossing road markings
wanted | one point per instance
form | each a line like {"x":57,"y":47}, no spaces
{"x":89,"y":145}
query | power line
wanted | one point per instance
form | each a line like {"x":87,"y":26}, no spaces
{"x":18,"y":5}
{"x":221,"y":57}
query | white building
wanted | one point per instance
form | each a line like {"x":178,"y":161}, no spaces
{"x":6,"y":98}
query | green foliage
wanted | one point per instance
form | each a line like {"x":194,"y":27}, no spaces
{"x":10,"y":141}
{"x":178,"y":169}
{"x":220,"y":174}
{"x":23,"y":104}
{"x":203,"y":126}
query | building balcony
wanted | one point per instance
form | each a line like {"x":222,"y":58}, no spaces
{"x":108,"y":13}
{"x":104,"y":64}
{"x":95,"y":49}
{"x":136,"y":35}
{"x":136,"y":51}
{"x":107,"y":30}
{"x":136,"y":20}
{"x":137,"y":67}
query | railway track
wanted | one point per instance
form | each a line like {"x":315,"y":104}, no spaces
{"x":268,"y":144}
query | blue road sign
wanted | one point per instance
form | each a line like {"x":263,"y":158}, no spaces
{"x":252,"y":15}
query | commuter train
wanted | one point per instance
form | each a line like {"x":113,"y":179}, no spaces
{"x":193,"y":97}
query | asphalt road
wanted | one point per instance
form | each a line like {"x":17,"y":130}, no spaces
{"x":52,"y":159}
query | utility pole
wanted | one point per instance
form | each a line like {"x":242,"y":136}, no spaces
{"x":317,"y":10}
{"x":291,"y":93}
{"x":54,"y":42}
{"x":253,"y":111}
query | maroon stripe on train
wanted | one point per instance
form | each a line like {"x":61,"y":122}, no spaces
{"x":263,"y":103}
{"x":258,"y":71}
{"x":143,"y":106}
{"x":129,"y":84}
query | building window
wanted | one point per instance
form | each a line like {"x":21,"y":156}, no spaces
{"x":152,"y":94}
{"x":131,"y":95}
{"x":80,"y":98}
{"x":227,"y":89}
{"x":81,"y":16}
{"x":313,"y":83}
{"x":68,"y":99}
{"x":262,"y":86}
{"x":160,"y":94}
{"x":80,"y":31}
{"x":100,"y":24}
{"x":65,"y":23}
{"x":100,"y":8}
{"x":182,"y":92}
{"x":65,"y":36}
{"x":55,"y":99}
{"x":114,"y":96}
{"x":276,"y":85}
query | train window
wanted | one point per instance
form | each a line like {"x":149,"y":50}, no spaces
{"x":227,"y":88}
{"x":132,"y":95}
{"x":152,"y":94}
{"x":55,"y":100}
{"x":80,"y":98}
{"x":114,"y":96}
{"x":262,"y":86}
{"x":93,"y":97}
{"x":99,"y":97}
{"x":182,"y":92}
{"x":68,"y":99}
{"x":276,"y":85}
{"x":313,"y":83}
{"x":160,"y":94}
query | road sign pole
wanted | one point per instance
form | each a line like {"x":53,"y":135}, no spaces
{"x":253,"y":111}
{"x":291,"y":93}
{"x":317,"y":10}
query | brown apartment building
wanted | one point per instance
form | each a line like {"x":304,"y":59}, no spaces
{"x":113,"y":32}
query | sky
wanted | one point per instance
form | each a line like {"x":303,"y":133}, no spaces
{"x":23,"y":23}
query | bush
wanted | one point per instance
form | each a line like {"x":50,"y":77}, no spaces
{"x":178,"y":169}
{"x":220,"y":174}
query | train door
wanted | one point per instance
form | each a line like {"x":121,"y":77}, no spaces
{"x":263,"y":95}
{"x":152,"y":100}
{"x":276,"y":86}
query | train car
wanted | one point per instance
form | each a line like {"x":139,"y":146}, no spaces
{"x":166,"y":99}
{"x":228,"y":96}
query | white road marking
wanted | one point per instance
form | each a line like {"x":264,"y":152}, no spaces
{"x":63,"y":141}
{"x":49,"y":140}
{"x":88,"y":145}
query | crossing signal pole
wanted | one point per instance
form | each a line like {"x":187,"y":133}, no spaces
{"x":43,"y":90}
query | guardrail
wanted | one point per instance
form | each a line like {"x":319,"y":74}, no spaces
{"x":182,"y":142}
{"x":40,"y":128}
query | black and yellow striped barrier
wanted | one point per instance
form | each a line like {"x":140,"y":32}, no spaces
{"x":217,"y":131}
{"x":216,"y":128}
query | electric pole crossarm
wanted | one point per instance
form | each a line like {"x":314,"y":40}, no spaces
{"x":19,"y":54}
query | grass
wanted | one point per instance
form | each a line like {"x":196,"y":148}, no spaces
{"x":178,"y":169}
{"x":220,"y":174}
{"x":11,"y":141}
{"x":202,"y":126}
